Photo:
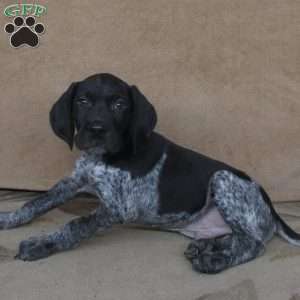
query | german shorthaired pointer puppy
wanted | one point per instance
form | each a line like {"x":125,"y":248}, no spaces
{"x":143,"y":178}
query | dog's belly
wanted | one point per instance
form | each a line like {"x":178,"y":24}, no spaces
{"x":210,"y":224}
{"x":137,"y":201}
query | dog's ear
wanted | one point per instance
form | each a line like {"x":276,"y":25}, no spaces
{"x":143,"y":120}
{"x":61,"y":116}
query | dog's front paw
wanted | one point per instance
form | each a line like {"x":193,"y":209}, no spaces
{"x":6,"y":220}
{"x":35,"y":248}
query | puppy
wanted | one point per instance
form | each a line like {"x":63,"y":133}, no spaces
{"x":141,"y":177}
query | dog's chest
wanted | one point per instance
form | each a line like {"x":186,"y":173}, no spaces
{"x":127,"y":197}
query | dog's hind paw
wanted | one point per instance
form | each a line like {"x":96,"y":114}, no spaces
{"x":35,"y":248}
{"x":209,"y":255}
{"x":195,"y":248}
{"x":211,"y":263}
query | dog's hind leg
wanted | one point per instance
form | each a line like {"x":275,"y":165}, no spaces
{"x":58,"y":195}
{"x":215,"y":255}
{"x":242,"y":206}
{"x":68,"y":237}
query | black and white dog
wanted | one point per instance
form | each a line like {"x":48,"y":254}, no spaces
{"x":141,"y":177}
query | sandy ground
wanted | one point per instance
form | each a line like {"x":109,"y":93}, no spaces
{"x":138,"y":264}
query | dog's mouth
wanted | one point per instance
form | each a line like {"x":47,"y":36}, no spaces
{"x":106,"y":143}
{"x":84,"y":145}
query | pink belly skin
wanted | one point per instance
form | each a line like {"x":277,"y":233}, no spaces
{"x":209,"y":225}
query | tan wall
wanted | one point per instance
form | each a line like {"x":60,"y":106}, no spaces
{"x":223,"y":74}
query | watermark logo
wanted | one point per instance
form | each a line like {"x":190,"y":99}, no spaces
{"x":24,"y":30}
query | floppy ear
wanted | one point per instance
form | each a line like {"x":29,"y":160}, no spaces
{"x":61,"y":116}
{"x":144,"y":118}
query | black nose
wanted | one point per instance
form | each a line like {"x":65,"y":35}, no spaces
{"x":97,"y":127}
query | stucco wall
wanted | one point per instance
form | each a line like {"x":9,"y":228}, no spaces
{"x":223,"y":74}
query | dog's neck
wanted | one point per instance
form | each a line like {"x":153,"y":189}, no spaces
{"x":139,"y":163}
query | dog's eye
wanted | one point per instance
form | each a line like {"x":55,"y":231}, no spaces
{"x":83,"y":101}
{"x":119,"y":104}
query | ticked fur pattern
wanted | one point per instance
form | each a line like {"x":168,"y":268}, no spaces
{"x":242,"y":206}
{"x":124,"y":199}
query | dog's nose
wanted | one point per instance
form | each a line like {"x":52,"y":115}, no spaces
{"x":97,"y":127}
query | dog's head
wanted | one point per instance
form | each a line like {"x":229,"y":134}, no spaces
{"x":105,"y":112}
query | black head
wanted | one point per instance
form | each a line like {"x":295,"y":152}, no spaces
{"x":105,"y":112}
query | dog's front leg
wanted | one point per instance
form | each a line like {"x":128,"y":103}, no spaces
{"x":68,"y":237}
{"x":59,"y":194}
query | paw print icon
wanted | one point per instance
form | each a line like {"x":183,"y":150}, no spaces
{"x":24,"y":32}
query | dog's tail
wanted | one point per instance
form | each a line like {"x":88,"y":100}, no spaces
{"x":283,"y":230}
